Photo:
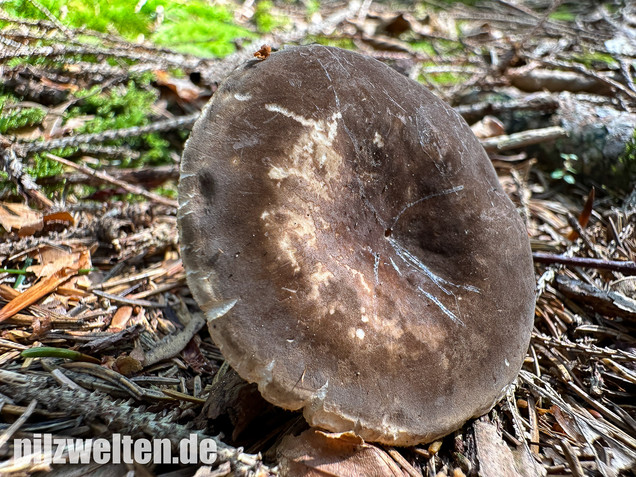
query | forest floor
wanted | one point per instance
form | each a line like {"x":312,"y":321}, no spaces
{"x":99,"y":333}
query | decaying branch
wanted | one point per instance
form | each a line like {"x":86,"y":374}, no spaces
{"x":523,"y":139}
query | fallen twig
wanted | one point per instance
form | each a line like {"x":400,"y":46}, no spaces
{"x":111,"y":180}
{"x":12,"y":165}
{"x":151,"y":175}
{"x":523,"y":139}
{"x":600,"y":264}
{"x":6,"y":435}
{"x":75,"y":141}
{"x":536,"y":102}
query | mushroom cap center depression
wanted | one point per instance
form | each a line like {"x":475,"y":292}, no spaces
{"x":383,"y":280}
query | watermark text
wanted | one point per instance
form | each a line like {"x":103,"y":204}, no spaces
{"x":120,"y":449}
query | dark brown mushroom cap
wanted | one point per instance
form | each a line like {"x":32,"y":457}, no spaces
{"x":380,"y":277}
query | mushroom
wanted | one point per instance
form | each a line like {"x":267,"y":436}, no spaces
{"x":355,"y":254}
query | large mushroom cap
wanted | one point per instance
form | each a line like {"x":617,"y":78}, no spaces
{"x":381,"y":279}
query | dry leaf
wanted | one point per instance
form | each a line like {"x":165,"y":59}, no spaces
{"x":76,"y":287}
{"x":584,"y":218}
{"x":20,"y":218}
{"x":53,"y":124}
{"x":182,"y":87}
{"x":108,"y":362}
{"x":51,"y":259}
{"x":489,"y":126}
{"x":567,"y":424}
{"x":27,"y":133}
{"x":319,"y":454}
{"x":137,"y":353}
{"x":45,"y":286}
{"x":193,"y":356}
{"x":41,"y":326}
{"x":35,"y":293}
{"x":58,"y":129}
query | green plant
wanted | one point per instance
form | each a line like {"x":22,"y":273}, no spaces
{"x":121,"y":107}
{"x":12,"y":118}
{"x":568,"y":170}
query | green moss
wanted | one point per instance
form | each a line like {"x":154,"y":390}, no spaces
{"x":12,"y":117}
{"x":562,"y":13}
{"x":197,"y":27}
{"x":444,"y":48}
{"x":125,"y":107}
{"x":596,"y":59}
{"x":345,"y":43}
{"x":446,"y":78}
{"x":121,"y":107}
{"x":423,"y":46}
{"x":98,"y":15}
{"x":626,"y":167}
{"x":36,"y":61}
{"x":630,"y":149}
{"x":43,"y":167}
{"x":312,"y":7}
{"x":266,"y":20}
{"x":168,"y":190}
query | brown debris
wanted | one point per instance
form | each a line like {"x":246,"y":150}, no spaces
{"x":263,"y":53}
